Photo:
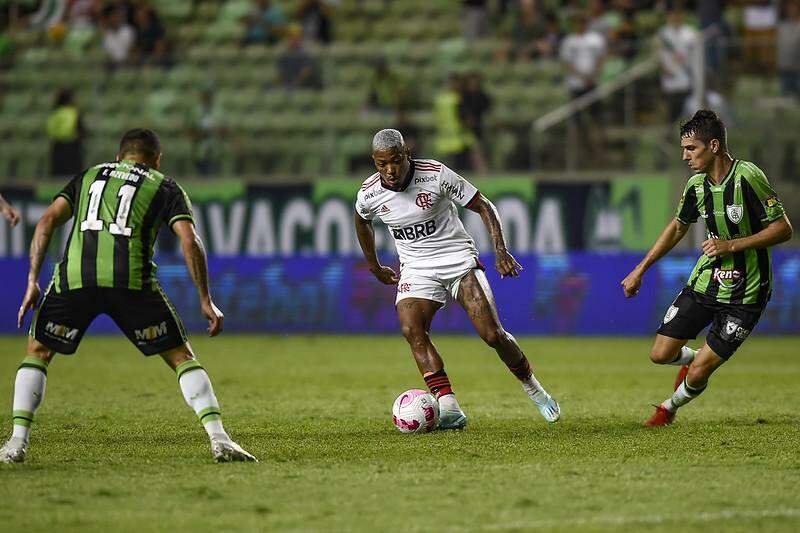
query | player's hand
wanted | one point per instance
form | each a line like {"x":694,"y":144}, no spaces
{"x":385,"y":275}
{"x":505,"y":264}
{"x":29,"y":301}
{"x":716,"y":247}
{"x":214,"y":316}
{"x":11,"y":214}
{"x":631,"y":284}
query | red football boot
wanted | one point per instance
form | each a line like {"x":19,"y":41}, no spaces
{"x":681,"y":376}
{"x":662,"y":417}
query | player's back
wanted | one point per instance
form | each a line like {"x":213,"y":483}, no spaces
{"x":117,"y":210}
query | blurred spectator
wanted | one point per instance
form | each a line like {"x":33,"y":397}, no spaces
{"x":83,"y":13}
{"x":474,"y":19}
{"x":789,"y":50}
{"x":265,"y":25}
{"x":602,"y":20}
{"x":208,"y":127}
{"x":387,"y":90}
{"x":527,"y":31}
{"x":475,"y":103}
{"x":315,"y":17}
{"x":583,"y":53}
{"x":65,"y":131}
{"x":297,"y":68}
{"x":715,"y":30}
{"x":410,"y":131}
{"x":627,"y":37}
{"x":548,"y":46}
{"x":49,"y":13}
{"x":151,"y":41}
{"x":118,"y":37}
{"x":453,"y":140}
{"x":760,"y":21}
{"x":676,"y":43}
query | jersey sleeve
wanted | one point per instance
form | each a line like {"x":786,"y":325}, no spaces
{"x":458,"y":189}
{"x":363,"y":210}
{"x":70,"y":191}
{"x":761,"y":198}
{"x":178,"y":206}
{"x":687,"y":212}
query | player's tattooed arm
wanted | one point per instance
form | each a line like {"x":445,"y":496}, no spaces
{"x":672,"y":235}
{"x":366,"y":239}
{"x":55,"y":215}
{"x":194,"y":254}
{"x":505,"y":263}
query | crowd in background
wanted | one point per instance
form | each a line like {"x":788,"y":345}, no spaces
{"x":594,"y":40}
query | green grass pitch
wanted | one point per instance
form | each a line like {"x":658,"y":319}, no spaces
{"x":116,"y":448}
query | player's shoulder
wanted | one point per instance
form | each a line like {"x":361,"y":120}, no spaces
{"x":750,"y":171}
{"x":695,"y":180}
{"x":427,"y":169}
{"x":370,"y":187}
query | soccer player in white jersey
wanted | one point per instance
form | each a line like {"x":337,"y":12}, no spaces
{"x":416,"y":199}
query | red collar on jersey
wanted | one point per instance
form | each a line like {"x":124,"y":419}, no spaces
{"x":404,"y":185}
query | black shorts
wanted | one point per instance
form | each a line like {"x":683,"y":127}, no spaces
{"x":730,"y":323}
{"x":146,"y":317}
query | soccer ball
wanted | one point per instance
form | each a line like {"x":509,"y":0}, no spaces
{"x":415,"y":411}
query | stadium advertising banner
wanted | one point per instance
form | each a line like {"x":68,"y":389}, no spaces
{"x":559,"y":294}
{"x":235,"y":219}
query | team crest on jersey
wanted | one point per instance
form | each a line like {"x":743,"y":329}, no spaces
{"x":671,"y":312}
{"x":424,"y":200}
{"x":735,"y":212}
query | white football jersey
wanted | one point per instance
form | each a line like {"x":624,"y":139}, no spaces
{"x":423,"y":218}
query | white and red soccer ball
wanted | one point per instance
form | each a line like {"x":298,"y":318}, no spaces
{"x":415,"y":411}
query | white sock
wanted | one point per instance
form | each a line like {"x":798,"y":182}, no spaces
{"x":682,"y":395}
{"x":448,"y":402}
{"x":199,"y":394}
{"x":28,"y":394}
{"x":686,"y":356}
{"x":534,"y":388}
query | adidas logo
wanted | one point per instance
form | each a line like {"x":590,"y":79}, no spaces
{"x":383,"y":209}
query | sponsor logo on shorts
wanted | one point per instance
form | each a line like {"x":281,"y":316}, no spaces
{"x":417,"y":231}
{"x":735,"y":212}
{"x":671,"y":312}
{"x":734,"y":330}
{"x":424,"y":200}
{"x":62,"y":332}
{"x":151,"y":333}
{"x":730,"y":279}
{"x":404,"y":287}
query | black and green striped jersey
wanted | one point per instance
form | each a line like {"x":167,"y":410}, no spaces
{"x":743,"y":204}
{"x":117,"y":210}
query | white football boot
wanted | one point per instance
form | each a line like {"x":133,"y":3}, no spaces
{"x":547,"y":405}
{"x":14,"y":450}
{"x":225,"y":450}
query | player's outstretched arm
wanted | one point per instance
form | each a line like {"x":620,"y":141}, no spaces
{"x":11,"y":214}
{"x":195,"y":256}
{"x":504,"y":262}
{"x":56,"y":215}
{"x":366,"y":239}
{"x":672,"y":235}
{"x":777,"y":232}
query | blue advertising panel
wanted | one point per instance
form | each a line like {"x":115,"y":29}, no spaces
{"x":569,"y":294}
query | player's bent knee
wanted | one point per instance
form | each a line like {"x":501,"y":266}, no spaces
{"x":413,"y":332}
{"x":661,"y":356}
{"x":38,"y":350}
{"x":494,"y":337}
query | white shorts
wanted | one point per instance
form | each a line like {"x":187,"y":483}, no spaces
{"x":435,"y":283}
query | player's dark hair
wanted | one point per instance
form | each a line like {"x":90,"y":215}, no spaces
{"x":140,"y":141}
{"x":705,"y":125}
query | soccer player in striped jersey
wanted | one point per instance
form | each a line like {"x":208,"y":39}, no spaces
{"x":117,"y":209}
{"x":417,"y":199}
{"x":732,"y":281}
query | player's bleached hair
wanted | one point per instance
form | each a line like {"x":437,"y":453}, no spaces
{"x":388,"y":139}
